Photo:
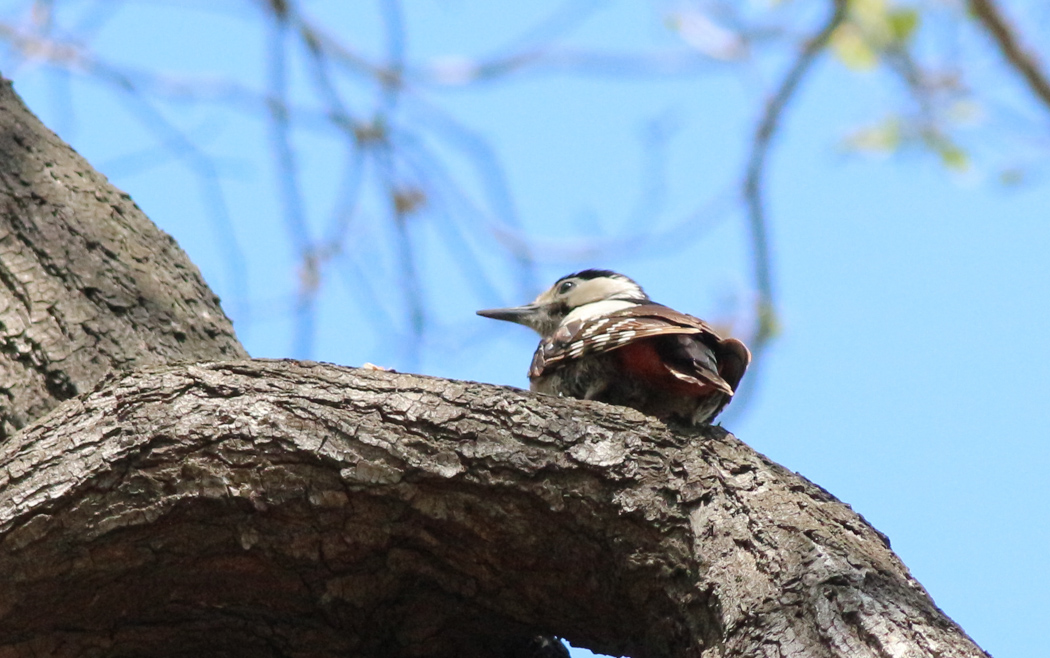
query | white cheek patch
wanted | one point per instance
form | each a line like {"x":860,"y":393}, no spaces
{"x":597,"y":309}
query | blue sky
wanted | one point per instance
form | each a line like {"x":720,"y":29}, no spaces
{"x":911,"y":372}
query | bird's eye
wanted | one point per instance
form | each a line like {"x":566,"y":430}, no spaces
{"x":566,"y":287}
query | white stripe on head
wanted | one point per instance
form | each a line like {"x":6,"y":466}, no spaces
{"x":615,"y":286}
{"x":597,"y":309}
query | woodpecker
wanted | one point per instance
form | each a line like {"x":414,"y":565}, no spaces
{"x":602,"y":338}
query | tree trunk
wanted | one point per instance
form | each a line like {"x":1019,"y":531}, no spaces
{"x":87,"y":283}
{"x":262,"y":508}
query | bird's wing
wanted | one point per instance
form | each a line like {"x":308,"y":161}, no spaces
{"x":602,"y":334}
{"x":696,"y":356}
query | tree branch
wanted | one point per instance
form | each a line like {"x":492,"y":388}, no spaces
{"x":272,"y":508}
{"x":1022,"y":59}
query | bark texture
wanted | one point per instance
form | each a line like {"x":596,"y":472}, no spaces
{"x":87,"y":283}
{"x":261,"y":508}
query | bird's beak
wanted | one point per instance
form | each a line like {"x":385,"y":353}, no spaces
{"x":518,"y":314}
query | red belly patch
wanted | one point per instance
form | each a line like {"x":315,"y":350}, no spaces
{"x":641,"y":360}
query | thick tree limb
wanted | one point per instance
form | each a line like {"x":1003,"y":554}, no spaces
{"x":280,"y":508}
{"x":87,"y":283}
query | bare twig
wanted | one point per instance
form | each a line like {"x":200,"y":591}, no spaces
{"x":756,"y":164}
{"x":482,"y":158}
{"x":288,"y":184}
{"x":754,"y":194}
{"x":394,"y":24}
{"x":1017,"y":55}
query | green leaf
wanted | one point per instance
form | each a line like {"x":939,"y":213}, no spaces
{"x":883,"y":137}
{"x":852,"y":49}
{"x":903,"y":23}
{"x":965,"y":110}
{"x":953,"y":156}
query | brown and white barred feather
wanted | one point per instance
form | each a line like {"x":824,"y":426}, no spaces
{"x":650,"y":357}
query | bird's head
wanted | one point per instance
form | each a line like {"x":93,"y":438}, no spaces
{"x":585,"y":294}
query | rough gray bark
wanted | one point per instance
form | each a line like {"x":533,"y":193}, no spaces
{"x":87,"y":283}
{"x":280,"y":508}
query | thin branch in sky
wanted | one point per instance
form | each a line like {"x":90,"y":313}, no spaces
{"x":566,"y":18}
{"x":450,"y":208}
{"x":754,"y":192}
{"x":401,"y":214}
{"x":358,"y":280}
{"x":404,"y":200}
{"x":683,"y":233}
{"x":394,"y":24}
{"x":288,"y":184}
{"x":338,"y":112}
{"x":482,"y":158}
{"x":348,"y":203}
{"x":1021,"y":58}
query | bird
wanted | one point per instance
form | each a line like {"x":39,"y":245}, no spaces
{"x":602,"y":338}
